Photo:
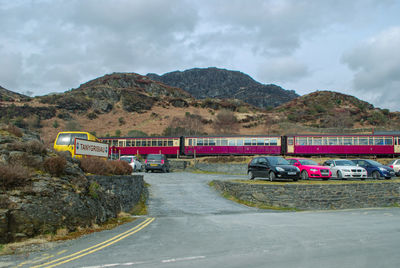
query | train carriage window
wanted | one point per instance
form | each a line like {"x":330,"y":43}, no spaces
{"x":290,"y":141}
{"x":325,"y":141}
{"x":121,"y":143}
{"x":211,"y":142}
{"x":267,"y":141}
{"x":205,"y":142}
{"x":340,"y":140}
{"x":115,"y":142}
{"x":199,"y":142}
{"x":363,"y":141}
{"x":348,"y":141}
{"x":301,"y":141}
{"x":389,"y":141}
{"x":232,"y":142}
{"x":355,"y":140}
{"x":128,"y":143}
{"x":317,"y":141}
{"x":273,"y":141}
{"x":260,"y":142}
{"x":396,"y":140}
{"x":153,"y":142}
{"x":170,"y":143}
{"x":240,"y":142}
{"x":247,"y":142}
{"x":159,"y":143}
{"x":148,"y":143}
{"x":379,"y":141}
{"x":332,"y":141}
{"x":190,"y":142}
{"x":218,"y":142}
{"x":224,"y":142}
{"x":371,"y":140}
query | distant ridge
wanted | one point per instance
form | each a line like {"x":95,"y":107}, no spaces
{"x":213,"y":82}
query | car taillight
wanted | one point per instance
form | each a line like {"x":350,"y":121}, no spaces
{"x":145,"y":161}
{"x":162,"y":161}
{"x":391,"y":166}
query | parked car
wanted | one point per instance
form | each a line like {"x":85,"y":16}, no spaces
{"x":133,"y":161}
{"x":344,"y":169}
{"x":375,"y":169}
{"x":310,"y":169}
{"x":272,"y":167}
{"x":395,"y":164}
{"x":157,"y":162}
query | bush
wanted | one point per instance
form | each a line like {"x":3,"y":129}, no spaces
{"x":13,"y":175}
{"x":99,"y":166}
{"x":14,"y":130}
{"x":35,"y":147}
{"x":118,"y":167}
{"x":55,"y":165}
{"x":94,"y":165}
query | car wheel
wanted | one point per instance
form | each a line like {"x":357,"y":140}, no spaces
{"x":304,"y":175}
{"x":388,"y":178}
{"x":250,"y":175}
{"x":339,"y":175}
{"x":376,"y":175}
{"x":272,"y":176}
{"x":146,"y":170}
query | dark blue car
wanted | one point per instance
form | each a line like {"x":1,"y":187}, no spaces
{"x":375,"y":169}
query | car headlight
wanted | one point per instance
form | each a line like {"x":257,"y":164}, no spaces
{"x":313,"y":169}
{"x":382,"y":169}
{"x":298,"y":170}
{"x":279,"y":169}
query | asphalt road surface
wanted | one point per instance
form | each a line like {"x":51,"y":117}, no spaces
{"x":190,"y":225}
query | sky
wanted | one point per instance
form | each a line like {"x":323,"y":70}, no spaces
{"x":352,"y":47}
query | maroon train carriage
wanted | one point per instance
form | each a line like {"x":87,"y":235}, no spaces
{"x":233,"y":145}
{"x":342,"y":145}
{"x":143,"y":145}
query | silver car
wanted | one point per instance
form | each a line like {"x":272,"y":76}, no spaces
{"x":345,"y":169}
{"x":133,"y":161}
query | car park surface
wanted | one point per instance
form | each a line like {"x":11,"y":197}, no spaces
{"x":272,"y":167}
{"x":310,"y":169}
{"x":345,"y":169}
{"x":375,"y":169}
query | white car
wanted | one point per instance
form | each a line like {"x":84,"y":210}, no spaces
{"x":344,"y":169}
{"x":395,"y":164}
{"x":133,"y":161}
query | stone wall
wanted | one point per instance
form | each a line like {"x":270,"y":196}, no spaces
{"x":317,"y":196}
{"x":52,"y":204}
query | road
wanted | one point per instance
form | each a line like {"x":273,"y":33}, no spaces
{"x":190,"y":225}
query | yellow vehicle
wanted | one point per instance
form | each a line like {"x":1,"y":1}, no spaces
{"x":65,"y":141}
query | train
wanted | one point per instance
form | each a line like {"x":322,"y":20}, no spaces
{"x":387,"y":145}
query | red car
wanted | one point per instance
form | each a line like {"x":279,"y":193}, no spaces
{"x":310,"y":169}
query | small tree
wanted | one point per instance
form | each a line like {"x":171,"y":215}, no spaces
{"x":226,"y":122}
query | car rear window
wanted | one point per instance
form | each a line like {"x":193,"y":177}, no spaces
{"x":154,"y":157}
{"x":69,"y":138}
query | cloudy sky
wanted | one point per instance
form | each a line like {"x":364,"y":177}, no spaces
{"x":351,"y":47}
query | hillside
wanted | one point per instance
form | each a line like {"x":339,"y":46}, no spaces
{"x":7,"y":95}
{"x":220,"y":83}
{"x":129,"y":104}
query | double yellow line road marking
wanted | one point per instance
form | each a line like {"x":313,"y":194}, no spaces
{"x":97,"y":247}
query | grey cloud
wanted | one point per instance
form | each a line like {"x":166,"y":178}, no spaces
{"x":376,"y":66}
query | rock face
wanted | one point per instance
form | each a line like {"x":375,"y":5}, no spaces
{"x":222,"y":84}
{"x":33,"y":201}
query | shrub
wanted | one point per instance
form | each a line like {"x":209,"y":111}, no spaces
{"x":12,"y":129}
{"x":13,"y":175}
{"x":55,"y":165}
{"x":93,"y":190}
{"x":118,"y":167}
{"x":94,"y":165}
{"x":35,"y":147}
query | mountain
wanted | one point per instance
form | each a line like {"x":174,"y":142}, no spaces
{"x":220,"y":83}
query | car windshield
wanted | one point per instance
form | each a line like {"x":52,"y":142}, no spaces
{"x":126,"y":159}
{"x":154,"y":157}
{"x":344,"y":163}
{"x":278,"y":161}
{"x":374,"y":163}
{"x":69,"y":138}
{"x":308,"y":162}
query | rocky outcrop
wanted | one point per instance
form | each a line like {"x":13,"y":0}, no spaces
{"x":224,"y":84}
{"x":36,"y":199}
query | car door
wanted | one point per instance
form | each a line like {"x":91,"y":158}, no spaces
{"x":367,"y":166}
{"x":263,"y":166}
